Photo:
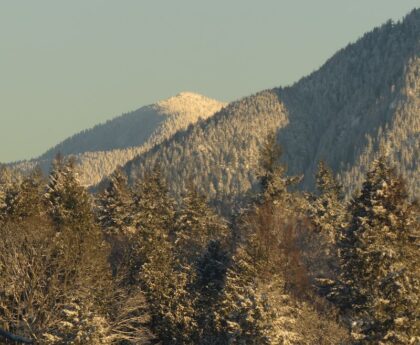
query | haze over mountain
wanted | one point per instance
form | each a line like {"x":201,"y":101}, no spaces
{"x":362,"y":102}
{"x":99,"y":150}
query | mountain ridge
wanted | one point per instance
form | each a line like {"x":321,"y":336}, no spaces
{"x":100,"y":149}
{"x":363,"y":102}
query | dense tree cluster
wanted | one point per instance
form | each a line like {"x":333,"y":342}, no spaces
{"x":133,"y":265}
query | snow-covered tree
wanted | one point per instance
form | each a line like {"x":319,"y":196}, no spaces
{"x":25,"y":200}
{"x":114,"y":215}
{"x":197,"y":224}
{"x":272,"y":176}
{"x":326,"y":212}
{"x":207,"y":292}
{"x":380,"y":263}
{"x":166,"y":284}
{"x":244,"y":316}
{"x":328,"y":208}
{"x":114,"y":205}
{"x":67,"y":202}
{"x":153,"y":214}
{"x":9,"y":188}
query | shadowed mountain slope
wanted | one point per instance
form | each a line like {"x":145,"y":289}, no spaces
{"x":362,"y":102}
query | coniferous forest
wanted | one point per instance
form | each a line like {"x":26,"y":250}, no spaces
{"x":287,"y":217}
{"x":134,"y":264}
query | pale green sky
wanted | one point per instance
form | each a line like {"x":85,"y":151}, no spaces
{"x":68,"y":65}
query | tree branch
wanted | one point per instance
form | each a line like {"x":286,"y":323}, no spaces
{"x":15,"y":338}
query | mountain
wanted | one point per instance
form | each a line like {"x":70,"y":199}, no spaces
{"x":99,"y":150}
{"x":362,"y":102}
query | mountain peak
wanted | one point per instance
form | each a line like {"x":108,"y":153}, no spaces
{"x":189,"y":103}
{"x":188,"y":94}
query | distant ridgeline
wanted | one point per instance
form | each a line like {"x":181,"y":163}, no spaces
{"x":99,"y":150}
{"x":362,"y":102}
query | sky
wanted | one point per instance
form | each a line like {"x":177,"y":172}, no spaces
{"x":68,"y":65}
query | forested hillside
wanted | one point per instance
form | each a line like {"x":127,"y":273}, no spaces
{"x":364,"y":101}
{"x":99,"y":150}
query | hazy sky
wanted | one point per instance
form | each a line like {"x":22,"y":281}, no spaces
{"x":67,"y":65}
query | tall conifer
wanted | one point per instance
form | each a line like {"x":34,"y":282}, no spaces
{"x":380,"y":262}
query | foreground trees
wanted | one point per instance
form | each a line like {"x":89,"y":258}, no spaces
{"x":139,"y":267}
{"x":55,"y":281}
{"x":379,"y":261}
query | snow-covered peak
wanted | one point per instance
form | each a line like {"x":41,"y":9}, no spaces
{"x":189,"y":104}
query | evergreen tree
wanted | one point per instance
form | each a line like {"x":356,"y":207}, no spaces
{"x":380,"y":263}
{"x":207,"y":293}
{"x":2,"y":200}
{"x":80,"y":245}
{"x":196,"y":225}
{"x":25,"y":199}
{"x":116,"y":219}
{"x":328,"y":208}
{"x":155,"y":265}
{"x":273,"y":180}
{"x":9,"y":188}
{"x":114,"y":206}
{"x":167,"y":285}
{"x":153,"y":214}
{"x":327,"y":216}
{"x":67,"y":202}
{"x":244,"y":316}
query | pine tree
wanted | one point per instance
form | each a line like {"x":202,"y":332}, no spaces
{"x":196,"y":225}
{"x":207,"y":293}
{"x":327,"y":216}
{"x":80,"y":244}
{"x":272,"y":177}
{"x":328,"y":213}
{"x":167,"y":284}
{"x":155,"y":265}
{"x":67,"y":202}
{"x":114,"y":206}
{"x":9,"y":189}
{"x":380,"y":263}
{"x":26,"y":199}
{"x":244,"y":316}
{"x":153,"y":214}
{"x":114,"y":215}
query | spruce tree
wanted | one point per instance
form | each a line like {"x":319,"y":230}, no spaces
{"x":153,"y":214}
{"x":207,"y":293}
{"x":84,"y":257}
{"x":26,"y":201}
{"x":167,"y":283}
{"x":116,"y":219}
{"x":9,"y":189}
{"x":327,"y":216}
{"x":328,"y":207}
{"x":379,"y":261}
{"x":244,"y":316}
{"x":196,"y":225}
{"x":2,"y":204}
{"x":114,"y":205}
{"x":67,"y":202}
{"x":272,"y":176}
